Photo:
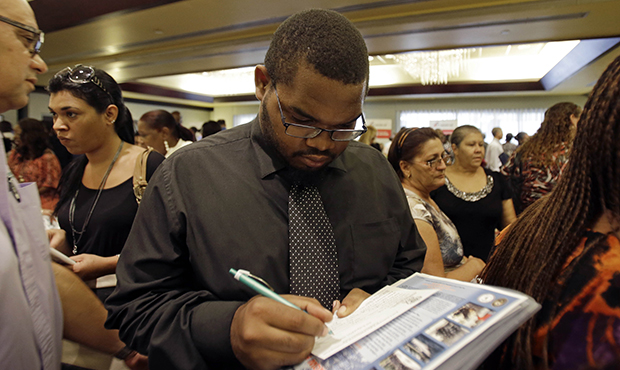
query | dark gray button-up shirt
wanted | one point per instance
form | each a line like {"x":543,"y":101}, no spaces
{"x":222,"y":203}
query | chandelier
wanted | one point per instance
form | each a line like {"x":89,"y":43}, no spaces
{"x":434,"y":67}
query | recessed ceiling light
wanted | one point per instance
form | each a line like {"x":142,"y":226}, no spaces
{"x":497,"y":63}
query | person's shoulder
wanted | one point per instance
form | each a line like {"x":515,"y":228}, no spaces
{"x":225,"y":144}
{"x":223,"y":140}
{"x":155,"y":158}
{"x":356,"y":148}
{"x":362,"y":156}
{"x":49,"y":155}
{"x":12,"y":154}
{"x":494,"y":174}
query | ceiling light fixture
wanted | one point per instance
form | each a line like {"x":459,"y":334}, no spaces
{"x":435,"y":67}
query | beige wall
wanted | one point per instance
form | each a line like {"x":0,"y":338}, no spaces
{"x":391,"y":109}
{"x":37,"y":108}
{"x":373,"y":108}
{"x":228,"y":111}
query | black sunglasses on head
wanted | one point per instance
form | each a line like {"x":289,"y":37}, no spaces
{"x":84,"y":74}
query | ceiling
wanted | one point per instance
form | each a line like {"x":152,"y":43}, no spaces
{"x":139,"y":39}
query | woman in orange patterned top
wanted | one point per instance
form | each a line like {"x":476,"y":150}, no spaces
{"x":33,"y":161}
{"x":535,"y":167}
{"x":564,"y":252}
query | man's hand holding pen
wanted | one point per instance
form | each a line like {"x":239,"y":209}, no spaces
{"x":265,"y":334}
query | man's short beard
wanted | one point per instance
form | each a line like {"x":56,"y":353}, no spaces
{"x":295,"y":174}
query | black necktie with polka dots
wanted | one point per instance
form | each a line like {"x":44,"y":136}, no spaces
{"x":313,"y":259}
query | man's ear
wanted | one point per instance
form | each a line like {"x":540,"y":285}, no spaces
{"x":261,"y":81}
{"x":111,"y":114}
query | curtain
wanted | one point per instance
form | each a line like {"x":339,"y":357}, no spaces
{"x":509,"y":120}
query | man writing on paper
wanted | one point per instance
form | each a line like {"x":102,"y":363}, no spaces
{"x":289,"y":197}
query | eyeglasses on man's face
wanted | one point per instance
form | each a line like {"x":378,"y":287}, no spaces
{"x":309,"y":132}
{"x":84,"y":74}
{"x":34,"y":43}
{"x":445,"y":157}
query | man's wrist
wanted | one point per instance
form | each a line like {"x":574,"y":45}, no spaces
{"x":124,"y":353}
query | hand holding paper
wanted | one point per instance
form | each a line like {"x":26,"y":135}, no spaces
{"x":376,"y":311}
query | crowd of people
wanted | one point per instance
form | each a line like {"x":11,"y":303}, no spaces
{"x":294,"y":197}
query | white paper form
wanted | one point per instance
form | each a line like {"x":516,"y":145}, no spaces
{"x":376,"y":311}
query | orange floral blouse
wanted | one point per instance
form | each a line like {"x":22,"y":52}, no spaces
{"x":583,"y":328}
{"x":45,"y":171}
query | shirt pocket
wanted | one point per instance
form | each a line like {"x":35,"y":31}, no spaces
{"x":375,"y":246}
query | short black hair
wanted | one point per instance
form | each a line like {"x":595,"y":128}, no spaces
{"x":324,"y":39}
{"x":210,"y":128}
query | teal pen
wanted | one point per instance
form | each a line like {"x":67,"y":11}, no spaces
{"x":243,"y":277}
{"x":248,"y":279}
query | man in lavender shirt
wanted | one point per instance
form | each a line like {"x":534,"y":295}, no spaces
{"x":30,"y":310}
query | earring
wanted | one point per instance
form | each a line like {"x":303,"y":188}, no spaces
{"x":113,"y":121}
{"x":166,"y":145}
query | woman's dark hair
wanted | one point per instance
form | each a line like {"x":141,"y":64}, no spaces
{"x":531,"y":256}
{"x":555,"y":130}
{"x":508,"y":137}
{"x":5,"y":126}
{"x":158,"y":119}
{"x":521,"y":137}
{"x":460,"y":132}
{"x":210,"y":128}
{"x":33,"y":139}
{"x":97,"y":98}
{"x":407,"y":144}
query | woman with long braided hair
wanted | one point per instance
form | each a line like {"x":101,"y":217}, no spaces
{"x":564,"y":251}
{"x":536,"y":166}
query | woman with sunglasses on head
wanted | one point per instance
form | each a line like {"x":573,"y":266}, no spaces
{"x":478,"y":201}
{"x":97,"y":203}
{"x":419,"y":159}
{"x":162,"y":132}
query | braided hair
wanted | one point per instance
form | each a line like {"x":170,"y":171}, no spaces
{"x":555,"y":130}
{"x":531,"y":256}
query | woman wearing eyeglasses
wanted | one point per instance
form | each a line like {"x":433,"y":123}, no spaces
{"x":419,"y":159}
{"x":477,"y":200}
{"x":97,"y":204}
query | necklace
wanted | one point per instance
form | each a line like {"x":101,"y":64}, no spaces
{"x":79,"y":234}
{"x":471,"y":197}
